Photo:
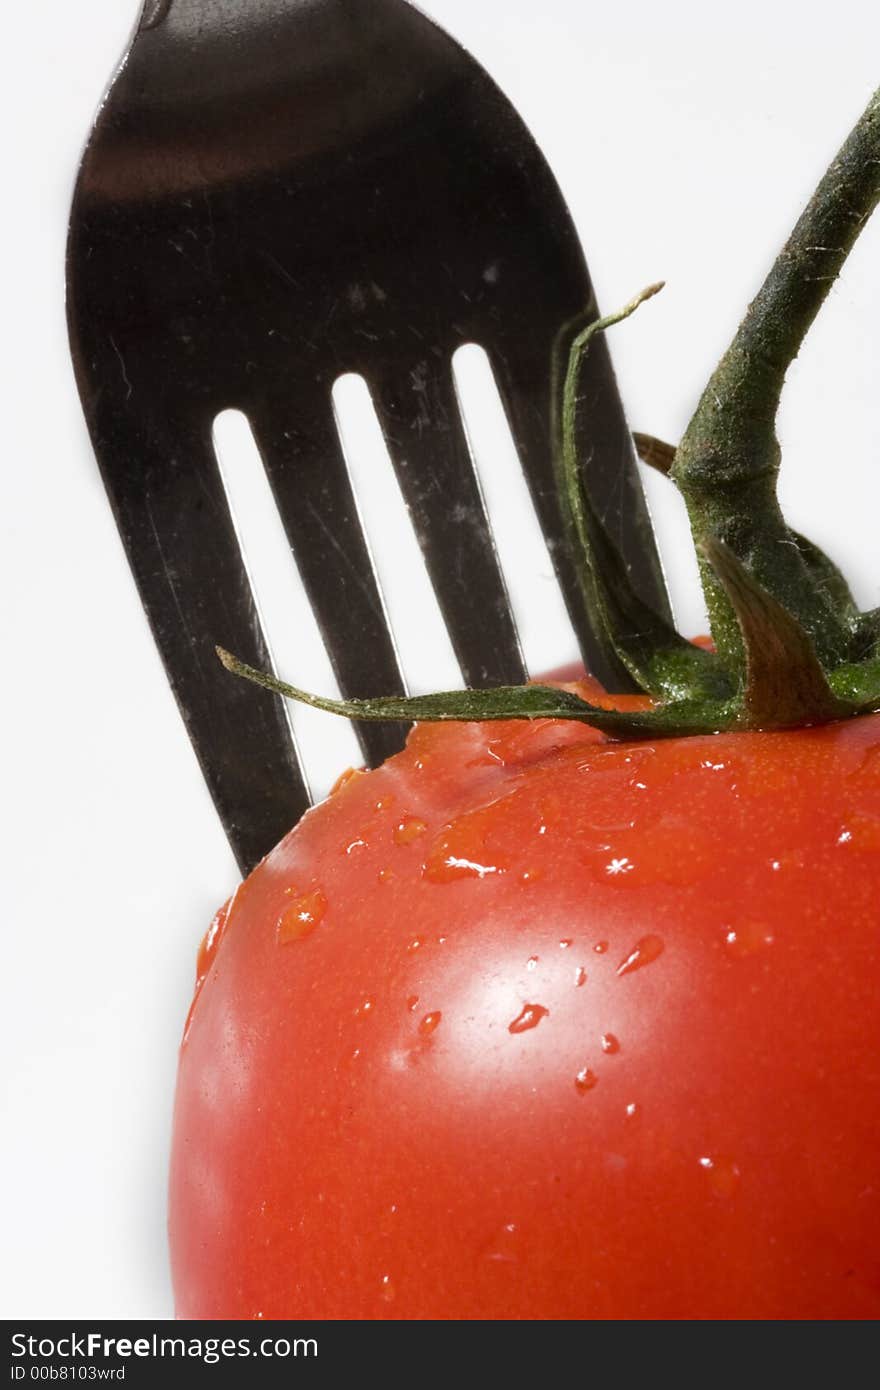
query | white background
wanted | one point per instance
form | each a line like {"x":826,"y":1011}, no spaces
{"x":686,"y":137}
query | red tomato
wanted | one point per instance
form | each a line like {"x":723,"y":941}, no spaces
{"x":526,"y":1024}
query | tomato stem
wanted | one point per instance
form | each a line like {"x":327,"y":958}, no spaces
{"x":727,"y":463}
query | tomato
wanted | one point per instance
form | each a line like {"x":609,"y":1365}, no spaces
{"x":529,"y":1024}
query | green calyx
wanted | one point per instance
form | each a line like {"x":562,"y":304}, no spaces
{"x":790,"y":646}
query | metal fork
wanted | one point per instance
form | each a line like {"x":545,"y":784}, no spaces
{"x":276,"y":192}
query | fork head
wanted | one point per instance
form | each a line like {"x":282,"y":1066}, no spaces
{"x":277,"y":192}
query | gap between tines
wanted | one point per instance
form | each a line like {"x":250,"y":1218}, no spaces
{"x":327,"y":745}
{"x":424,"y":649}
{"x":539,"y":610}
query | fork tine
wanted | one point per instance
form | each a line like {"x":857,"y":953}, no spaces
{"x":528,"y":375}
{"x":419,"y":413}
{"x":302,"y":454}
{"x":171,"y":509}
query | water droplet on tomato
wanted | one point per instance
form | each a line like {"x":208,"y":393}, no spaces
{"x":617,"y":759}
{"x":446,"y":868}
{"x":415,"y":944}
{"x":532,"y":962}
{"x":430,"y":1023}
{"x":385,"y":875}
{"x":564,"y":943}
{"x":632,"y":1110}
{"x":211,"y":940}
{"x":610,"y":1043}
{"x":580,"y":977}
{"x":351,"y":774}
{"x":861,"y":830}
{"x":643,"y":953}
{"x":619,"y":868}
{"x":600,"y":948}
{"x":522,"y":742}
{"x":412,"y":1002}
{"x":529,"y":1017}
{"x":722,"y":1172}
{"x":530,"y":875}
{"x":365,"y":1009}
{"x":585,"y":1080}
{"x":487,"y":757}
{"x":301,"y":916}
{"x":472,"y":846}
{"x":505,"y":1247}
{"x":408,"y":829}
{"x":747,"y":939}
{"x":387,"y":1222}
{"x":387,"y":1290}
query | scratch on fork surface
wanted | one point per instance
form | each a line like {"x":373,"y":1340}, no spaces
{"x":167,"y":571}
{"x":212,"y":237}
{"x":197,"y":648}
{"x":178,"y":247}
{"x":369,"y":595}
{"x":276,"y":265}
{"x":207,"y":492}
{"x":130,"y":388}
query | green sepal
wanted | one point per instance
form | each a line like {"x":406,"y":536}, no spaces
{"x":656,"y":453}
{"x":659,"y":659}
{"x":503,"y":702}
{"x":674,"y":720}
{"x":785,"y":684}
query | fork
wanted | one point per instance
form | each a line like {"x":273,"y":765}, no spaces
{"x":277,"y":192}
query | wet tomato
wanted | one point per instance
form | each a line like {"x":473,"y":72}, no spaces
{"x":527,"y":1024}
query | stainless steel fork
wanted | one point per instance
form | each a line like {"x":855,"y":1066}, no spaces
{"x":276,"y":192}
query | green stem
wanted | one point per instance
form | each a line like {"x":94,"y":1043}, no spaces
{"x":727,"y":463}
{"x":502,"y":702}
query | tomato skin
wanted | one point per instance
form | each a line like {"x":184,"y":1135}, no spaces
{"x":525,"y":1024}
